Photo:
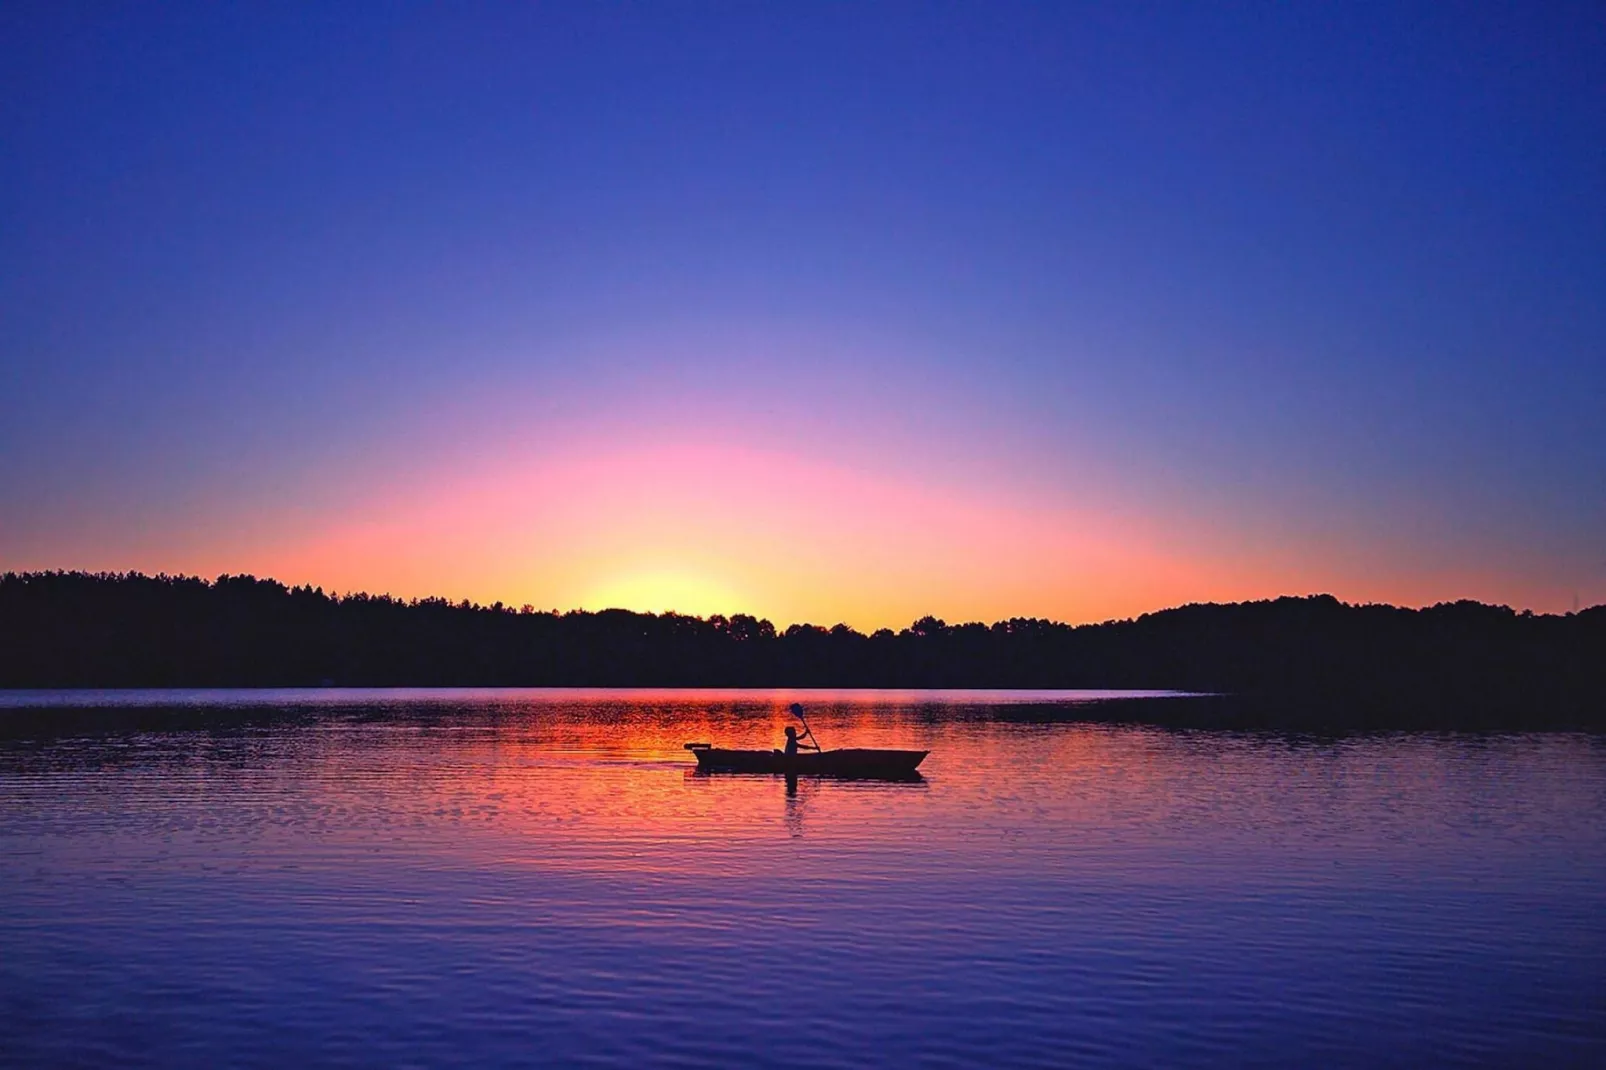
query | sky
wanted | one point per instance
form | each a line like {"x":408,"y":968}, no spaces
{"x":828,"y":312}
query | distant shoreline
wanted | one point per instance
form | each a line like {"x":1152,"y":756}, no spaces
{"x":1305,"y":661}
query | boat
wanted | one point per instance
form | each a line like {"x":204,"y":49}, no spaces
{"x":851,"y":763}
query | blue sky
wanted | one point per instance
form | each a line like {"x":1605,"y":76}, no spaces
{"x":1325,"y":284}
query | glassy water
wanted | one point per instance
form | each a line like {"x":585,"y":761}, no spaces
{"x":537,"y":877}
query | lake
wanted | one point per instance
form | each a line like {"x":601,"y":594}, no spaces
{"x":538,"y":878}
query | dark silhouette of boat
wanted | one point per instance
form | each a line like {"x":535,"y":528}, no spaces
{"x":852,"y":763}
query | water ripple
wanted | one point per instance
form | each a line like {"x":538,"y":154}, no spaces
{"x":518,"y":878}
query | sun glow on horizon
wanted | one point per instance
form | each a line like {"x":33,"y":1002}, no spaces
{"x":664,"y":590}
{"x":665,"y":522}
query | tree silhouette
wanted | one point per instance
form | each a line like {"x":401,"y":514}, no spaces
{"x":1455,"y":664}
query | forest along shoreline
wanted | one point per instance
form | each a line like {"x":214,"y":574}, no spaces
{"x":1296,"y":663}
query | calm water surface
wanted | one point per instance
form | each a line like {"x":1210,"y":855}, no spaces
{"x":535,"y":877}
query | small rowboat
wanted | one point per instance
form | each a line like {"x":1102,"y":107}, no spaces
{"x":858,"y":762}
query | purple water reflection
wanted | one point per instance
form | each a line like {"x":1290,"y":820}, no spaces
{"x":530,"y":878}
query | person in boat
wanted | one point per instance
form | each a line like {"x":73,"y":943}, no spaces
{"x":793,"y":743}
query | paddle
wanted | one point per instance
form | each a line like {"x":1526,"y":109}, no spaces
{"x":797,"y":710}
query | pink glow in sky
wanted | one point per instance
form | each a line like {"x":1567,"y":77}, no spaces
{"x":817,"y":315}
{"x":712,"y":527}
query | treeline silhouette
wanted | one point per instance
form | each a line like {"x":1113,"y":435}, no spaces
{"x":1454,"y":663}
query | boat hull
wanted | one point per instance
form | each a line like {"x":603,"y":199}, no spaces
{"x":856,"y":762}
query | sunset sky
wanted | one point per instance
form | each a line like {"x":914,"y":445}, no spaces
{"x":820,"y":312}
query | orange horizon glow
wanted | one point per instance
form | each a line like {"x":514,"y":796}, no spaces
{"x":703,"y":528}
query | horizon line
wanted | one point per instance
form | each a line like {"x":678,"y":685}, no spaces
{"x":529,"y":609}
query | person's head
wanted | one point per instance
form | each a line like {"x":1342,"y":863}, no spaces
{"x":790,"y":731}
